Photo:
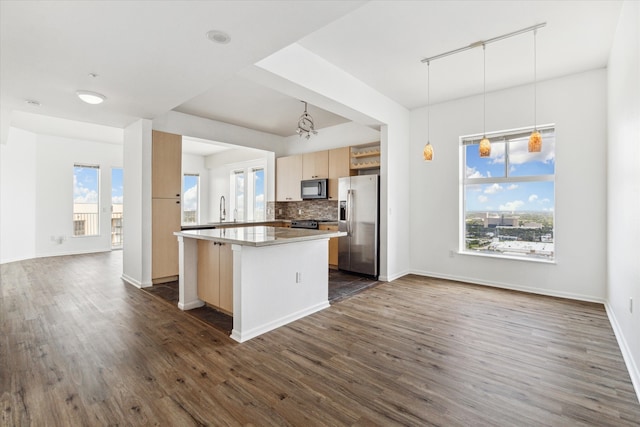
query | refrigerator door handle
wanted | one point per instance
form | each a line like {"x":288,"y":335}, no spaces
{"x":349,"y":213}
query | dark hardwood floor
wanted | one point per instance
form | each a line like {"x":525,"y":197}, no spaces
{"x":80,"y":347}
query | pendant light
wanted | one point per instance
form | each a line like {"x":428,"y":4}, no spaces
{"x":485,"y":144}
{"x":305,"y":124}
{"x":427,"y":152}
{"x":535,"y":140}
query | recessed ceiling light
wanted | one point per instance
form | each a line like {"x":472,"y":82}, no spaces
{"x":218,"y":36}
{"x":93,"y":75}
{"x":32,"y":102}
{"x":90,"y":97}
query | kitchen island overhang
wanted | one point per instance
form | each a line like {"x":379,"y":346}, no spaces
{"x":279,"y":274}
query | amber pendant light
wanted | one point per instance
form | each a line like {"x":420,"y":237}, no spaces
{"x":535,"y":140}
{"x":427,"y":152}
{"x":485,"y":144}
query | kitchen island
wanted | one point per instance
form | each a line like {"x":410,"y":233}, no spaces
{"x":278,"y":274}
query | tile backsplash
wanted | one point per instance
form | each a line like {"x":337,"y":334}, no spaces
{"x":306,"y":209}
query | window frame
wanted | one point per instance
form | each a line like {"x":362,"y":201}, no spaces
{"x":75,"y":221}
{"x":506,"y":137}
{"x":182,"y":200}
{"x":249,"y":190}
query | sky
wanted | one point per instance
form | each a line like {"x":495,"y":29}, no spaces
{"x":190,"y":193}
{"x":510,"y":196}
{"x":85,"y":184}
{"x":116,"y":186}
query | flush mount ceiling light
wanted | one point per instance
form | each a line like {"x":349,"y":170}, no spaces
{"x":485,"y":144}
{"x":218,"y":36}
{"x":91,"y":97}
{"x":305,"y":124}
{"x":535,"y":140}
{"x":427,"y":152}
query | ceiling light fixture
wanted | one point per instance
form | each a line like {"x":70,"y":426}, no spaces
{"x":485,"y":145}
{"x":305,"y":124}
{"x":91,"y":97}
{"x":427,"y":152}
{"x":535,"y":140}
{"x":32,"y":102}
{"x":218,"y":36}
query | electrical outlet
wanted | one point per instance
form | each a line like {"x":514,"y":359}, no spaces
{"x":299,"y":211}
{"x":298,"y":277}
{"x":451,"y":253}
{"x":279,"y":211}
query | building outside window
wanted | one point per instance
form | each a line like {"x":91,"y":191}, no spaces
{"x":86,"y":200}
{"x":117,"y":204}
{"x":509,"y":197}
{"x":191,"y":198}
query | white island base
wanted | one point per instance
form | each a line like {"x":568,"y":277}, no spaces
{"x":273,"y":284}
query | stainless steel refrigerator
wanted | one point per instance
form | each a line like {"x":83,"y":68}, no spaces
{"x":358,"y":217}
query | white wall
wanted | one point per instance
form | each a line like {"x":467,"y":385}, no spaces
{"x":623,"y":202}
{"x":195,"y":164}
{"x":137,"y":204}
{"x":220,"y":166}
{"x":55,"y":159}
{"x":577,"y":105}
{"x":18,"y":196}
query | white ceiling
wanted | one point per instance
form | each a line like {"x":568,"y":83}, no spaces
{"x":153,"y":56}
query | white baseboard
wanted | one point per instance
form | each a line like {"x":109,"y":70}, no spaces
{"x":634,"y":373}
{"x":190,"y":305}
{"x":252,"y":333}
{"x":130,"y":280}
{"x":510,"y":286}
{"x":392,"y":277}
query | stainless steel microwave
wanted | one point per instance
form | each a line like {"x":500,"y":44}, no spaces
{"x":313,"y":189}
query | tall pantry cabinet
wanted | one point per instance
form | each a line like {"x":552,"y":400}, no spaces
{"x":166,"y":184}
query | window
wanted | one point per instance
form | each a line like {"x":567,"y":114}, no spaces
{"x":190,"y":198}
{"x":116,"y":207}
{"x":86,"y":200}
{"x":237,"y":195}
{"x":248,"y":193}
{"x":257,"y":193}
{"x":509,"y":198}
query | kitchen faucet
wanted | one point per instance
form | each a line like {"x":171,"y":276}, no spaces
{"x":223,"y":212}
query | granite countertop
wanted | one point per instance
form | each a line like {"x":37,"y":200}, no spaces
{"x":259,"y":235}
{"x":228,"y":224}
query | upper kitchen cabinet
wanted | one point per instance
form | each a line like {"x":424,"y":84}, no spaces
{"x":339,"y":166}
{"x":315,"y":165}
{"x":288,"y":177}
{"x":166,"y":165}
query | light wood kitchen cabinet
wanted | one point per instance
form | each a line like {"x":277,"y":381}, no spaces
{"x":166,"y":165}
{"x":288,"y":177}
{"x":215,"y":274}
{"x":165,"y":220}
{"x":315,"y":165}
{"x":333,"y":244}
{"x":339,"y":166}
{"x":166,"y":183}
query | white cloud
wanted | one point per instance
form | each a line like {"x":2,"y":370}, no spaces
{"x":473,"y":173}
{"x":545,"y":200}
{"x":482,"y":199}
{"x":493,"y":188}
{"x":533,"y":198}
{"x":512,"y":206}
{"x":190,"y":199}
{"x":512,"y":187}
{"x":117,"y":200}
{"x":82,"y":194}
